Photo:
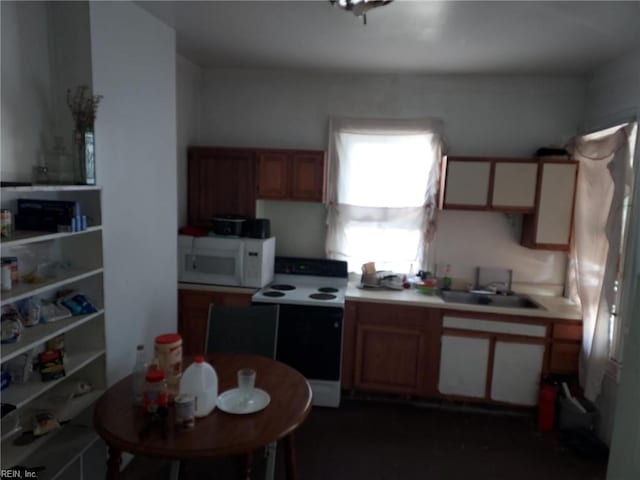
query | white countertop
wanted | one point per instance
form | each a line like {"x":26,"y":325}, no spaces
{"x":554,"y":307}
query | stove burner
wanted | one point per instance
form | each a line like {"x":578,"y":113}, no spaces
{"x":273,"y":294}
{"x":322,"y":296}
{"x":282,"y":287}
{"x":328,"y":290}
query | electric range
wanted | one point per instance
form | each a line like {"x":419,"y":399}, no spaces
{"x":310,"y":293}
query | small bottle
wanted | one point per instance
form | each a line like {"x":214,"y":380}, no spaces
{"x":139,"y":372}
{"x":446,"y":281}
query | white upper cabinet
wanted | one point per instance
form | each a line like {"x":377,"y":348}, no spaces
{"x":514,"y":185}
{"x":496,"y":184}
{"x":550,"y":227}
{"x":467,"y":183}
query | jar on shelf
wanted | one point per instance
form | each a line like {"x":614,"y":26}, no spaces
{"x":156,"y":393}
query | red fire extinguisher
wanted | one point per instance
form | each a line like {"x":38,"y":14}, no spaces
{"x":547,"y":407}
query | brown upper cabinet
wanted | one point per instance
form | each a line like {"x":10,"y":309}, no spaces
{"x":221,"y":181}
{"x":549,"y":227}
{"x":291,"y":175}
{"x":488,"y":183}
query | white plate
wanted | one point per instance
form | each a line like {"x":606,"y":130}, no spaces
{"x":231,"y":401}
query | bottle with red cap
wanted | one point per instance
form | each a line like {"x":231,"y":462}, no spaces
{"x":156,"y":393}
{"x":201,"y":381}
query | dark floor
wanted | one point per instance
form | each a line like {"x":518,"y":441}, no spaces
{"x":376,"y":440}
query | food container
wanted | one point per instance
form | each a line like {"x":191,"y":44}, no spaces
{"x":230,"y":225}
{"x":168,"y":358}
{"x":6,"y":223}
{"x":427,"y":287}
{"x":185,"y":412}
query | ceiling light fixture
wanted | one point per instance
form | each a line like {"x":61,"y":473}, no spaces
{"x":360,"y":7}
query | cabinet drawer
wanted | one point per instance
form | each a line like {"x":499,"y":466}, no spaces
{"x":567,"y":332}
{"x":491,"y":326}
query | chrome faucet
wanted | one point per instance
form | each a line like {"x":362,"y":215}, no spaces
{"x":493,"y":287}
{"x":497,"y":280}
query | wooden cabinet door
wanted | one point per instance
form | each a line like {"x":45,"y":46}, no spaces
{"x":514,"y":186}
{"x":308,"y":176}
{"x":467,"y":183}
{"x":349,"y":344}
{"x":193,"y":315}
{"x":550,"y":227}
{"x":389,"y":358}
{"x":517,"y":367}
{"x":273,"y":175}
{"x":464,"y":361}
{"x":564,"y":357}
{"x":391,"y":348}
{"x":221,"y":181}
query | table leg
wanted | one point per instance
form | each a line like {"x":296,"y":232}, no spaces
{"x":113,"y":464}
{"x":290,"y":455}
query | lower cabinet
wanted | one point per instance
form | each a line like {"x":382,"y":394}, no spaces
{"x":517,"y":367}
{"x":463,"y":365}
{"x":491,"y":358}
{"x":193,"y":314}
{"x":471,"y":356}
{"x":390,"y":348}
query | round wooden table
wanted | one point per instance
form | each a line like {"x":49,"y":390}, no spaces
{"x":219,"y":434}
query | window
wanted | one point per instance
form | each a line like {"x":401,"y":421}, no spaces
{"x":383,"y":178}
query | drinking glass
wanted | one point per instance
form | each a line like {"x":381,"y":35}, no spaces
{"x":246,"y":382}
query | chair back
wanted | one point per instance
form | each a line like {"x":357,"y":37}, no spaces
{"x":243,"y":329}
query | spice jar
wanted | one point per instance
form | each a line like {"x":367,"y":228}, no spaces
{"x":155,"y":393}
{"x":168,"y":357}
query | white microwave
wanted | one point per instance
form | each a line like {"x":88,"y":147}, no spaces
{"x":244,"y":262}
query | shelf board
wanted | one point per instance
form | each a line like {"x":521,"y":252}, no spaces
{"x":20,"y":395}
{"x":51,"y":188}
{"x":39,"y":334}
{"x":25,"y":290}
{"x":62,"y":447}
{"x":23,"y":237}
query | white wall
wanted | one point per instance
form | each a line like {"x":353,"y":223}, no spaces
{"x":188,"y":93}
{"x":613,"y":93}
{"x":27,"y":105}
{"x":483,"y":115}
{"x":70,"y":45}
{"x":134,"y":68}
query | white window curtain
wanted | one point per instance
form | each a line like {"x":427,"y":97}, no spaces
{"x":603,"y":176}
{"x":382,"y":189}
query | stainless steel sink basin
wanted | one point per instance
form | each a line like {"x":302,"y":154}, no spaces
{"x":507,"y":301}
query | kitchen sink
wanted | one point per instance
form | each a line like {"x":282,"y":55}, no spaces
{"x":507,"y":301}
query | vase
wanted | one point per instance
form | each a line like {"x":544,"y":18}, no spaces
{"x":85,"y":160}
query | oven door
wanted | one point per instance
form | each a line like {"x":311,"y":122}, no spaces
{"x":310,"y":340}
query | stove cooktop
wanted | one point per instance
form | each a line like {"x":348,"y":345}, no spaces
{"x":302,"y":281}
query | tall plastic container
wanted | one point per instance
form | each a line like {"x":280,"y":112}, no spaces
{"x":201,"y":381}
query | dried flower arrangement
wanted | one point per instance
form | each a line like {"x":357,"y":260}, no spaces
{"x":83,"y":107}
